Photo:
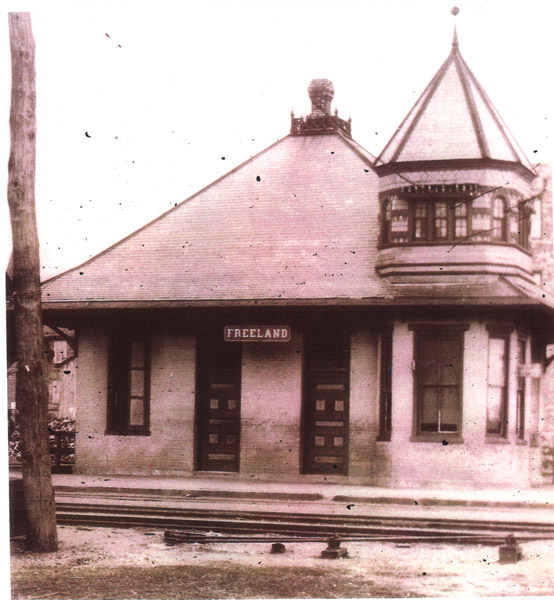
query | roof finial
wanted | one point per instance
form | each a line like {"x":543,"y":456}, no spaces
{"x":455,"y":10}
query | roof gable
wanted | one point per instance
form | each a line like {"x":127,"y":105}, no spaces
{"x":453,"y":119}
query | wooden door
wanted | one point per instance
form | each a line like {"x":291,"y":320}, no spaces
{"x":326,"y":403}
{"x":218,"y":424}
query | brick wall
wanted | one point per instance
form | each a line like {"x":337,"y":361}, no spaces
{"x":475,"y":461}
{"x":169,"y":448}
{"x":271,"y":408}
{"x":363,"y":405}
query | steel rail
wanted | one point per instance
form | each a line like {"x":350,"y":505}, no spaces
{"x":250,"y":526}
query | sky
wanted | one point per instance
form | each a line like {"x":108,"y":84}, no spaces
{"x":141,"y":104}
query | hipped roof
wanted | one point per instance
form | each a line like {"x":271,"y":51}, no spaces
{"x":296,"y":224}
{"x":453,"y":119}
{"x":299,"y":220}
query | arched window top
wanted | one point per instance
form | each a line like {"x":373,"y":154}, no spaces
{"x":499,"y":207}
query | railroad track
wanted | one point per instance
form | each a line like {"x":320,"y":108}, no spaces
{"x":238,"y":525}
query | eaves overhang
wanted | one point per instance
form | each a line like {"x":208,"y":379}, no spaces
{"x":454,"y":164}
{"x":298,"y":302}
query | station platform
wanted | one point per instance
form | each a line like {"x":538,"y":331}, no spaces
{"x":218,"y":489}
{"x":540,"y":497}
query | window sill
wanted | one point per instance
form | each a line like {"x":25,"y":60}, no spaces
{"x":498,"y":440}
{"x":126,"y":433}
{"x":438,"y":439}
{"x":383,"y":438}
{"x":521,"y":442}
{"x":457,"y":241}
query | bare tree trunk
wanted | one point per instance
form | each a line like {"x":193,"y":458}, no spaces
{"x":32,"y":390}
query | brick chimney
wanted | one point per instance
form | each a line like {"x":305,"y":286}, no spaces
{"x":321,"y":93}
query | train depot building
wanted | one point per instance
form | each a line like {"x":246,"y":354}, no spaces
{"x":319,"y":314}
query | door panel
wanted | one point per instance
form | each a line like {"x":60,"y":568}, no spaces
{"x":218,"y":431}
{"x":326,"y":405}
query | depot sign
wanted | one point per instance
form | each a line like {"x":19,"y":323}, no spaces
{"x":257,"y":333}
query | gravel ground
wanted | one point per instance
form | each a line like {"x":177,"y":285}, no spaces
{"x":415,"y":569}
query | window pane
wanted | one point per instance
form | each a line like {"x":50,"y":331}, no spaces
{"x":495,"y":402}
{"x":420,"y":209}
{"x":521,"y":352}
{"x":461,"y":209}
{"x":429,"y":362}
{"x":136,"y":412}
{"x":137,"y":382}
{"x":441,"y":220}
{"x":497,"y":362}
{"x":441,"y":229}
{"x":450,"y":359}
{"x":420,"y":229}
{"x":497,"y":231}
{"x":137,"y":353}
{"x":498,"y":208}
{"x":440,"y":210}
{"x":461,"y":228}
{"x":399,"y":203}
{"x":449,"y":409}
{"x":429,"y":420}
{"x":520,"y":424}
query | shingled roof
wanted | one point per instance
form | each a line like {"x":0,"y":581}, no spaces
{"x":453,"y":119}
{"x":297,"y":223}
{"x":299,"y":220}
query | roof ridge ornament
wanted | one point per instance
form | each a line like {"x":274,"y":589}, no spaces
{"x":455,"y":11}
{"x":321,"y":119}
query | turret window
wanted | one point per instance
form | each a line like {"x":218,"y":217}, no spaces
{"x":420,"y":220}
{"x":386,"y":225}
{"x":441,"y":220}
{"x":437,"y":218}
{"x":498,"y":221}
{"x":460,"y":220}
{"x":524,"y":224}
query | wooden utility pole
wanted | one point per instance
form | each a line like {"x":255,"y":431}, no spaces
{"x":32,"y":389}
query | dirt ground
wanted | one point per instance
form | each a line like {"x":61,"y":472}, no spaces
{"x":135,"y":563}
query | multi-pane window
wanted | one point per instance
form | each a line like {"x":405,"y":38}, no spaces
{"x":128,"y":384}
{"x":420,"y":220}
{"x":435,"y":220}
{"x":498,"y":219}
{"x":386,"y":225}
{"x":497,"y":388}
{"x":460,"y":220}
{"x":441,"y":220}
{"x":520,"y":405}
{"x":481,"y":217}
{"x":438,"y":380}
{"x":524,"y":224}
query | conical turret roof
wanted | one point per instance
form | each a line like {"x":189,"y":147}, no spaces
{"x":453,"y":119}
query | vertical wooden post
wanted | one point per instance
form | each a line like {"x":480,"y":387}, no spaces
{"x":32,"y":390}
